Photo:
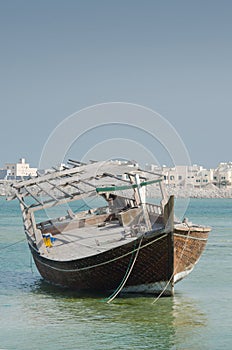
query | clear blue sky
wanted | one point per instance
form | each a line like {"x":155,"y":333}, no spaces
{"x":172,"y":56}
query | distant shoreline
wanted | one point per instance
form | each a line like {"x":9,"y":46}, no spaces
{"x":208,"y":191}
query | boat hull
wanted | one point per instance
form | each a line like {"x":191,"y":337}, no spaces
{"x":163,"y":259}
{"x":189,"y":245}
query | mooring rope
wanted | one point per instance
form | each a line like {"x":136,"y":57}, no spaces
{"x":164,"y":289}
{"x":12,"y":244}
{"x":126,"y":276}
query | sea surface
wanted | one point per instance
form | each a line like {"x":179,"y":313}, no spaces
{"x":36,"y":316}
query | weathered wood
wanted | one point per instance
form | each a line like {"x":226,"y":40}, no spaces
{"x":169,"y":214}
{"x":130,"y":217}
{"x":116,"y":177}
{"x":142,"y":202}
{"x":48,"y":176}
{"x":40,"y":242}
{"x":76,"y":223}
{"x":54,"y":186}
{"x":32,"y":195}
{"x":51,"y":203}
{"x":88,"y":169}
{"x":47,"y":192}
{"x":76,"y":162}
{"x":19,"y":197}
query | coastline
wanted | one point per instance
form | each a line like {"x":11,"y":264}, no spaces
{"x":208,"y":191}
{"x":204,"y":192}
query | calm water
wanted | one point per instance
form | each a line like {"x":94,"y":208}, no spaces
{"x":34,"y":315}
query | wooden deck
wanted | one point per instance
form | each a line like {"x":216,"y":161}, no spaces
{"x":87,"y":241}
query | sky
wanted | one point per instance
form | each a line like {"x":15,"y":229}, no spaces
{"x":60,"y":57}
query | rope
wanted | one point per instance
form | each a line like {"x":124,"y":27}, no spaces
{"x":12,"y":244}
{"x":161,"y":293}
{"x":100,"y":264}
{"x":126,"y":276}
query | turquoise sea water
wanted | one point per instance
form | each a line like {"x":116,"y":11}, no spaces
{"x":34,"y":315}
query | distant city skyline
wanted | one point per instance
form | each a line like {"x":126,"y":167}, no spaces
{"x":173,"y":57}
{"x":181,"y":176}
{"x":30,"y":163}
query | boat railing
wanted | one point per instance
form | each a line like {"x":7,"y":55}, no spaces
{"x":72,"y":216}
{"x":154,"y":209}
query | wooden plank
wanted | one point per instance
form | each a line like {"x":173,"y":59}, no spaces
{"x":61,"y":201}
{"x":90,"y":168}
{"x":169,"y":214}
{"x":21,"y":200}
{"x":43,"y":178}
{"x":75,"y":186}
{"x":77,"y":162}
{"x":116,"y":177}
{"x":32,"y":195}
{"x":48,"y":193}
{"x":87,"y":183}
{"x":59,"y":189}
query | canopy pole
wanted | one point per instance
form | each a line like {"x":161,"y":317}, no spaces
{"x":142,"y":200}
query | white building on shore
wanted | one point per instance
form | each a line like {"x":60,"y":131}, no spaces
{"x":195,"y":175}
{"x":179,"y":175}
{"x":20,"y":169}
{"x":204,"y":177}
{"x":222,"y":175}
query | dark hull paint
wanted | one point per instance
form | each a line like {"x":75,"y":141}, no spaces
{"x":160,"y":257}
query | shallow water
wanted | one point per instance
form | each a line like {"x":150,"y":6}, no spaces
{"x":35,"y":315}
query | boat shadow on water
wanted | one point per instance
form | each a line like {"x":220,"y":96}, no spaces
{"x":177,"y":312}
{"x":168,"y":322}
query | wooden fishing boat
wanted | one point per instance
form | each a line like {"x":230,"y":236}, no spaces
{"x":127,"y":244}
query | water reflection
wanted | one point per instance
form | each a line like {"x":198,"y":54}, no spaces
{"x":126,"y":323}
{"x":79,"y":321}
